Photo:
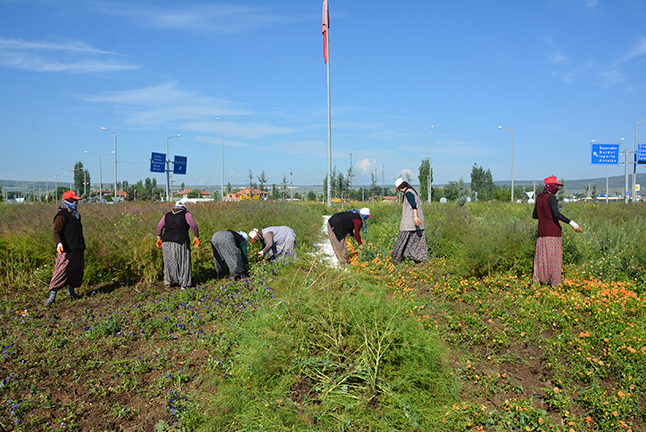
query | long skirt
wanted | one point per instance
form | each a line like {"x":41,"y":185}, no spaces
{"x":286,"y":251}
{"x":177,"y":264}
{"x":411,"y":244}
{"x":340,"y":248}
{"x":68,"y":270}
{"x":548,"y":260}
{"x":226,"y":251}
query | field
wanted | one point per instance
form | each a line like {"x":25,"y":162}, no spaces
{"x":465,"y":342}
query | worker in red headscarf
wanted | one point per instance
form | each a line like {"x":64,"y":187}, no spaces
{"x":548,"y":260}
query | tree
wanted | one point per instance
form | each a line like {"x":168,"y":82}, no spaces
{"x":262,"y":180}
{"x":423,"y":179}
{"x":482,"y":182}
{"x":502,"y":194}
{"x":311,"y":196}
{"x":274,"y":192}
{"x":456,"y":190}
{"x":283,"y":186}
{"x":81,"y":179}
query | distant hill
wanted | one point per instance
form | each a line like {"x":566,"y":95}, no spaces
{"x":615,"y":184}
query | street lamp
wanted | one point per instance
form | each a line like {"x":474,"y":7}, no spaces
{"x":168,"y":167}
{"x":430,"y":173}
{"x":100,"y":173}
{"x":70,"y":171}
{"x":614,"y":142}
{"x":222,"y":158}
{"x":46,"y":187}
{"x":512,"y":161}
{"x":56,"y":184}
{"x":635,"y":170}
{"x":115,"y":160}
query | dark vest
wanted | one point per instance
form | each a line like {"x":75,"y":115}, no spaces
{"x":72,"y":238}
{"x":342,"y":224}
{"x":548,"y":225}
{"x":176,"y":228}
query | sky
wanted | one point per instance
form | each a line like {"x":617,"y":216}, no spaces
{"x":408,"y":80}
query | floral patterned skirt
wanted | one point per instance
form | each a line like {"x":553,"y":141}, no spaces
{"x":177,"y":264}
{"x":411,"y":244}
{"x":548,"y":260}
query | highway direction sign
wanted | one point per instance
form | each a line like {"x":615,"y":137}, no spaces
{"x":605,"y":154}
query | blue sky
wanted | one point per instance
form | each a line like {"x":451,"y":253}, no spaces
{"x":560,"y":73}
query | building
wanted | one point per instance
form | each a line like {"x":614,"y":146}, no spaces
{"x":245,"y":194}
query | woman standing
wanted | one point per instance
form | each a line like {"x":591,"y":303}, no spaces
{"x":548,"y":260}
{"x":173,"y":239}
{"x":343,"y":224}
{"x":230,"y":247}
{"x":70,"y":245}
{"x":411,"y":241}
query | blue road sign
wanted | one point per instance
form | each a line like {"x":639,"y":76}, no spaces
{"x":158,"y":162}
{"x":605,"y":154}
{"x":641,"y":153}
{"x":179,"y":165}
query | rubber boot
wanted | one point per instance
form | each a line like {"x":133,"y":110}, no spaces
{"x":51,"y":298}
{"x":73,"y":295}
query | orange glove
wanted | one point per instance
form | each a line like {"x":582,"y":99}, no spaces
{"x":59,"y":248}
{"x":417,"y":222}
{"x":159,"y":243}
{"x":196,"y":242}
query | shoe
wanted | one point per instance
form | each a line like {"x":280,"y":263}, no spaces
{"x":51,"y":298}
{"x":73,"y":295}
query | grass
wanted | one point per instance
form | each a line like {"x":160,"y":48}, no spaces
{"x":457,"y":344}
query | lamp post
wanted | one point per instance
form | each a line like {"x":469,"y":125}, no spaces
{"x":168,"y":167}
{"x":70,"y":171}
{"x":100,"y":172}
{"x":635,"y":168}
{"x":115,"y":160}
{"x":512,"y":161}
{"x":46,"y":187}
{"x":614,"y":142}
{"x":222,"y":159}
{"x":55,"y":184}
{"x":430,"y":175}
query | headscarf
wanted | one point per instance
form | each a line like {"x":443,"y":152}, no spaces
{"x":364,"y":218}
{"x":552,"y":188}
{"x":73,"y":208}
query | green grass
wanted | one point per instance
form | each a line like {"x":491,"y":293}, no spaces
{"x":463,"y":343}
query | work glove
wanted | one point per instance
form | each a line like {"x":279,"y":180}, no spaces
{"x":417,"y":222}
{"x":159,"y":243}
{"x":59,"y":248}
{"x":196,"y":242}
{"x":261,"y":253}
{"x":575,"y":226}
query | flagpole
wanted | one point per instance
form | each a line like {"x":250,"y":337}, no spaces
{"x":329,"y":110}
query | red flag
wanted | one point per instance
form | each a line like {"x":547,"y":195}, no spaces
{"x":326,"y":25}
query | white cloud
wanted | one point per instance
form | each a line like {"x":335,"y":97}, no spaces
{"x":407,"y":173}
{"x":638,"y":49}
{"x":212,"y":18}
{"x":364,"y":166}
{"x":386,"y":135}
{"x":59,"y":56}
{"x":152,"y":106}
{"x":592,"y":4}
